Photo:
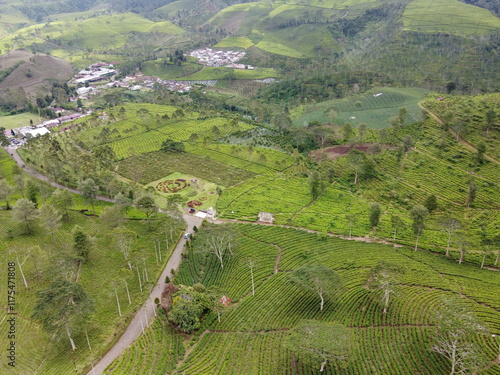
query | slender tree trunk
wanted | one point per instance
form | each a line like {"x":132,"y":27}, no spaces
{"x":139,"y":277}
{"x":448,"y":245}
{"x":322,"y":302}
{"x":118,"y":304}
{"x":482,"y":263}
{"x":128,"y":293}
{"x":73,"y":347}
{"x":323,"y":364}
{"x":88,"y":341}
{"x":416,"y":243}
{"x":498,"y":258}
{"x":21,"y":270}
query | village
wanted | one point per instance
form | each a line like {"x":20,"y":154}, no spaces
{"x":228,"y":59}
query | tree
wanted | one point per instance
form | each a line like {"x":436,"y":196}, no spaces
{"x":218,"y":240}
{"x":81,"y":244}
{"x":315,"y":185}
{"x":383,"y":278}
{"x":5,"y":191}
{"x":50,"y":218}
{"x":472,"y":192}
{"x":63,"y":306}
{"x":188,"y":305}
{"x":147,"y":204}
{"x":397,"y":223}
{"x":169,"y":145}
{"x":62,"y":200}
{"x":123,"y":239}
{"x":407,"y":144}
{"x":418,"y":214}
{"x":361,"y":132}
{"x":431,"y":203}
{"x":353,"y":220}
{"x":481,"y":150}
{"x":375,"y":212}
{"x":355,"y":159}
{"x":490,"y":119}
{"x":347,"y":131}
{"x":24,"y":211}
{"x":455,"y":330}
{"x":323,"y":342}
{"x":89,"y":191}
{"x":318,"y":279}
{"x":449,"y":225}
{"x":113,"y":216}
{"x":32,"y":191}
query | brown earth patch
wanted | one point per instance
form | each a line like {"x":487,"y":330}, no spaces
{"x":342,"y":150}
{"x":42,"y":69}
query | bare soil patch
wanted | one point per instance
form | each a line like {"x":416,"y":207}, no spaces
{"x":342,"y":150}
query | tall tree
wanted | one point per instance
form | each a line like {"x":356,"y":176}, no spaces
{"x":418,"y":214}
{"x":472,"y":192}
{"x":218,"y":240}
{"x":50,"y":218}
{"x":318,"y":279}
{"x":397,"y":224}
{"x":383,"y":277}
{"x":5,"y":191}
{"x":147,"y":204}
{"x":431,"y":203}
{"x":449,"y":225}
{"x":315,"y":184}
{"x":375,"y":213}
{"x":356,"y":159}
{"x":24,"y":211}
{"x":322,"y":342}
{"x":455,"y":330}
{"x":62,"y":200}
{"x":81,"y":244}
{"x":89,"y":191}
{"x":63,"y":306}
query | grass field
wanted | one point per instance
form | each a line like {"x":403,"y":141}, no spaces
{"x":157,"y":68}
{"x":374,"y":111}
{"x":235,"y":42}
{"x":209,"y":73}
{"x":449,"y":16}
{"x":254,"y":329}
{"x":16,"y":121}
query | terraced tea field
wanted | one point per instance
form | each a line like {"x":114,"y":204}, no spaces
{"x":251,"y":334}
{"x":370,"y":108}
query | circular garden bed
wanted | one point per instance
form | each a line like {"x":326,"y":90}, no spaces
{"x":172,"y":186}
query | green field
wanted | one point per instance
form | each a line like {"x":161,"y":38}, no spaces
{"x":254,"y":329}
{"x":158,"y":68}
{"x":210,"y":73}
{"x":374,"y":111}
{"x":449,"y":16}
{"x":17,"y":121}
{"x":235,"y":42}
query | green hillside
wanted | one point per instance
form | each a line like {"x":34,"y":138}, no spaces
{"x":374,"y":111}
{"x":251,"y":335}
{"x":449,"y":16}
